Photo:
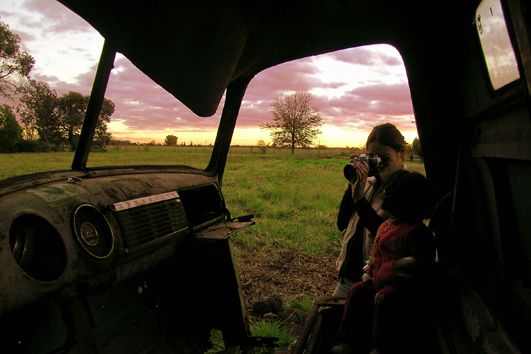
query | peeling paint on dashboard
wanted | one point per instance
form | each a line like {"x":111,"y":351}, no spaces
{"x":60,"y":194}
{"x":127,"y":188}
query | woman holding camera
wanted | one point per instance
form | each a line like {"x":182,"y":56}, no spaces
{"x":385,"y":155}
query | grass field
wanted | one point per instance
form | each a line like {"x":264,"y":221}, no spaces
{"x":294,"y":197}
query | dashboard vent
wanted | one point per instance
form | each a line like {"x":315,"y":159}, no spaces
{"x":93,"y":231}
{"x":37,"y":247}
{"x":150,"y":219}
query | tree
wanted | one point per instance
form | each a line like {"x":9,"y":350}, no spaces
{"x":417,"y":149}
{"x":15,"y":63}
{"x":409,"y":152}
{"x":37,"y":112}
{"x":295,"y":122}
{"x":70,"y":111}
{"x":261,"y":146}
{"x":171,"y":140}
{"x":101,"y":137}
{"x":58,"y":120}
{"x":10,"y":130}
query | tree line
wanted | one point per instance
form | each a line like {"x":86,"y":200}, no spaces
{"x":39,"y":119}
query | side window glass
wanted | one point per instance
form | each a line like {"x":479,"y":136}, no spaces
{"x":496,"y":44}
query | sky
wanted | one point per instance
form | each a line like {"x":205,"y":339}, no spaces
{"x":353,"y":89}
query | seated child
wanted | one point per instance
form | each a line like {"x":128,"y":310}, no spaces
{"x":392,"y":296}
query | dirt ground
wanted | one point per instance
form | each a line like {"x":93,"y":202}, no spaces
{"x":287,"y":274}
{"x":270,"y":279}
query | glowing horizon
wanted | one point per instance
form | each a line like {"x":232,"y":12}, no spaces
{"x":249,"y":137}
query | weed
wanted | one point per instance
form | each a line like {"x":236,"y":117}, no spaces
{"x":272,"y":328}
{"x":216,"y":338}
{"x":304,"y":304}
{"x":261,"y":328}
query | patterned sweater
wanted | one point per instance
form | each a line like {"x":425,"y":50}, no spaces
{"x":395,"y":240}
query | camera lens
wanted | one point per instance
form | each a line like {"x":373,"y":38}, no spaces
{"x":349,"y":171}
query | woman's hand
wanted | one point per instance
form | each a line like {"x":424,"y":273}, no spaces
{"x":362,"y":170}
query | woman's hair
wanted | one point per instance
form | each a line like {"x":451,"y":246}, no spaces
{"x":388,"y":135}
{"x":408,"y":195}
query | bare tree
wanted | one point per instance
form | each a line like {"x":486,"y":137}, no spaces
{"x":295,"y":122}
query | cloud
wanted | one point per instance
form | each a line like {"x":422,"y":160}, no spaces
{"x":59,"y":19}
{"x":271,"y":84}
{"x":281,"y":79}
{"x":143,"y":105}
{"x":354,"y":89}
{"x":369,"y":56}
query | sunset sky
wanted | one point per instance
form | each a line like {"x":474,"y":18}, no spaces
{"x":353,"y":89}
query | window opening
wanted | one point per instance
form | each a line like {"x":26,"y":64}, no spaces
{"x":497,"y":48}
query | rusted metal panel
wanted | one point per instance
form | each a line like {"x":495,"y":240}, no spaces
{"x":507,"y":136}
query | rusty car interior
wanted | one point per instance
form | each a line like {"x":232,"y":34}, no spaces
{"x":113,"y":259}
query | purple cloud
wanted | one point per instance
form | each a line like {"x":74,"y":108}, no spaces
{"x":365,"y":56}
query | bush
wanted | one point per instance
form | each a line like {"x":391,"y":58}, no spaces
{"x":35,"y":146}
{"x":10,"y":131}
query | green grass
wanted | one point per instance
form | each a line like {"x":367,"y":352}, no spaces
{"x":25,"y":163}
{"x":260,"y":328}
{"x":267,"y":328}
{"x":294,"y":199}
{"x":303,"y":304}
{"x":272,"y":328}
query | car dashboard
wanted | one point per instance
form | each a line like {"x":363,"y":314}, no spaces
{"x":67,"y":232}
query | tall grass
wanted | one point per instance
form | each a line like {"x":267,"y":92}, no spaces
{"x":16,"y":164}
{"x":25,"y":163}
{"x":294,"y":199}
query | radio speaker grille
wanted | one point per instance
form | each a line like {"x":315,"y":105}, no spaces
{"x":147,"y":223}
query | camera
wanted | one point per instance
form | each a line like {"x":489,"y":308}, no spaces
{"x":373,"y":162}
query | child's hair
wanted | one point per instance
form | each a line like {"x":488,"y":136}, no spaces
{"x":408,"y":195}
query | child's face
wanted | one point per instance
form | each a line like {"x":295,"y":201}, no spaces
{"x":392,"y":160}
